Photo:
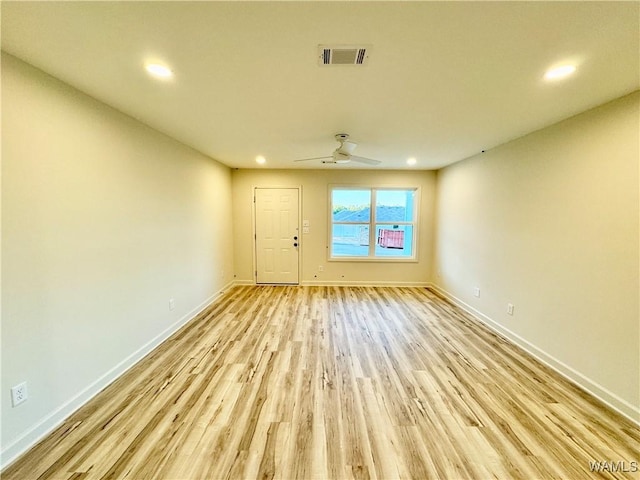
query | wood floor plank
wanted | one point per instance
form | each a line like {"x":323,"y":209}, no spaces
{"x":288,"y":382}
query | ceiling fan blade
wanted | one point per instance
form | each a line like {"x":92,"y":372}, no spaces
{"x":314,"y":158}
{"x":368,"y":161}
{"x":347,"y":147}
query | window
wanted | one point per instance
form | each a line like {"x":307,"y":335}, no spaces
{"x":386,"y":232}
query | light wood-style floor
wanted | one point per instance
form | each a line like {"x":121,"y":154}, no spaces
{"x":335,"y":382}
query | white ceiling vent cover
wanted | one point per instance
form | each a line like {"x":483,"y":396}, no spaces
{"x":343,"y":54}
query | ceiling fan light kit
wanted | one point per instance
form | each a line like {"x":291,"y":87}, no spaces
{"x":339,"y":157}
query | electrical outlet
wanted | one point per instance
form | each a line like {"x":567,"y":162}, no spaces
{"x":172,"y":303}
{"x":476,"y":292}
{"x":321,"y":268}
{"x":19,"y":394}
{"x":510,"y":308}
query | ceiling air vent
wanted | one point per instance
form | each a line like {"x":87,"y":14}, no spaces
{"x":343,"y":54}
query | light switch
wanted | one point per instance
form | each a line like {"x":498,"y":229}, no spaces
{"x":305,"y":223}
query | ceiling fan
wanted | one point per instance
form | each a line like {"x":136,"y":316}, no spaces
{"x":343,"y":154}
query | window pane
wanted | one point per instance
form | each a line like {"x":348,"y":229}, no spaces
{"x":351,"y":205}
{"x":394,"y":241}
{"x":394,"y":205}
{"x":350,"y":240}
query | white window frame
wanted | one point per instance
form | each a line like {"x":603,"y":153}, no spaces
{"x":372,"y":225}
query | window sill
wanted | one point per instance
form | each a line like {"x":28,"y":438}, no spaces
{"x":373,"y":260}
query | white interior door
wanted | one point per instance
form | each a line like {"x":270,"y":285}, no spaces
{"x":277,"y":236}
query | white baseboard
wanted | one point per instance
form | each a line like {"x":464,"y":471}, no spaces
{"x":620,"y":405}
{"x":345,"y":283}
{"x":52,"y":420}
{"x":350,"y":283}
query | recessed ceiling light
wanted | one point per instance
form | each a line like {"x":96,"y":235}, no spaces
{"x":559,"y":72}
{"x":260,"y":159}
{"x":411,"y":161}
{"x":158,"y":70}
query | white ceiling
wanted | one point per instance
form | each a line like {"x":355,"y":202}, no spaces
{"x":444,"y":80}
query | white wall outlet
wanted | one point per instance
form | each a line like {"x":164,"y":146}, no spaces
{"x":172,"y":303}
{"x":476,"y":292}
{"x":510,"y":308}
{"x":305,"y":229}
{"x":19,"y":394}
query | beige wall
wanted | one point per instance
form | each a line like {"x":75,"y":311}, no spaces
{"x":549,"y":222}
{"x":315,"y":187}
{"x":103,"y":220}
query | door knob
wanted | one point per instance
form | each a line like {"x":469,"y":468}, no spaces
{"x":295,"y":238}
{"x":295,"y":244}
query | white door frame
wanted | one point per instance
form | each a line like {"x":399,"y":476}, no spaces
{"x":254,"y":233}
